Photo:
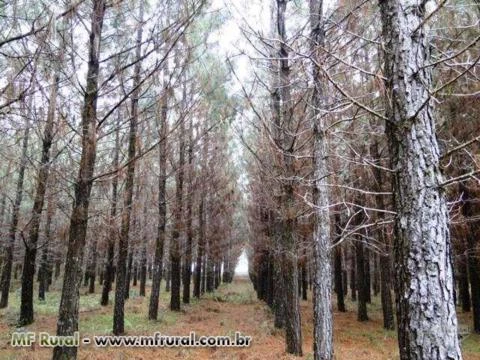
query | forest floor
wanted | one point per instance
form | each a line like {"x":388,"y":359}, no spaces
{"x":231,"y":308}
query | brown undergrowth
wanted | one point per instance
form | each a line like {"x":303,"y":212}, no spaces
{"x":232,"y":308}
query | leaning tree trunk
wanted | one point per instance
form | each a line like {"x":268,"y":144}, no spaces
{"x":122,"y":279}
{"x":322,"y":275}
{"x":427,"y":322}
{"x":67,"y":322}
{"x":26,"y":305}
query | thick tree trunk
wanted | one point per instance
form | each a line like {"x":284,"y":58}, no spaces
{"x":427,"y":322}
{"x":67,"y":322}
{"x":9,"y":249}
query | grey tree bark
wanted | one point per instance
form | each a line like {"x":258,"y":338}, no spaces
{"x":322,"y":274}
{"x":427,"y":322}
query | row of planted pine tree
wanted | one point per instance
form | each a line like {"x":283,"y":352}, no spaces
{"x":135,"y":184}
{"x":367,"y":149}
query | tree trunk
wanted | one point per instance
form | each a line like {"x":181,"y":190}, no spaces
{"x":339,"y":278}
{"x":121,"y":282}
{"x":143,"y":255}
{"x":162,"y":207}
{"x":209,"y":276}
{"x":278,"y":293}
{"x":187,"y":269}
{"x":93,"y":268}
{"x":361,"y":283}
{"x":175,"y":254}
{"x":353,"y":278}
{"x":45,"y":262}
{"x":473,"y":261}
{"x":67,"y":322}
{"x":463,"y":281}
{"x":376,"y":274}
{"x":112,"y":234}
{"x":200,"y":252}
{"x":368,"y":283}
{"x":385,"y":258}
{"x":304,"y":279}
{"x":9,"y":249}
{"x":427,"y":322}
{"x":128,"y":276}
{"x":26,"y":305}
{"x":322,"y":275}
{"x":204,"y":273}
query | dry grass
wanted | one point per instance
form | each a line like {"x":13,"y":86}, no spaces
{"x":232,"y":308}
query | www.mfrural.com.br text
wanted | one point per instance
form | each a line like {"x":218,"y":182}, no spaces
{"x":44,"y":339}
